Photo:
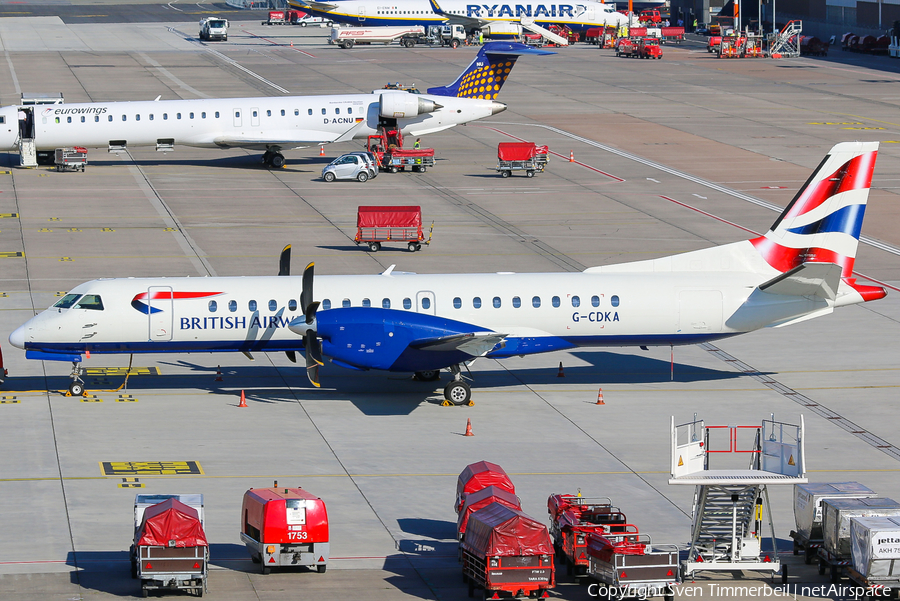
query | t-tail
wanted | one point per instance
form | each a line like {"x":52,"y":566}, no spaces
{"x":485,"y":75}
{"x":822,"y":223}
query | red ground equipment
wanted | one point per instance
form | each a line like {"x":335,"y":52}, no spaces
{"x":294,"y":16}
{"x":732,"y":46}
{"x":650,"y":16}
{"x":375,"y":225}
{"x":672,"y":35}
{"x":388,"y":149}
{"x":628,"y":564}
{"x":480,"y":475}
{"x":285,"y":527}
{"x":521,"y":156}
{"x":640,"y":48}
{"x":479,"y":500}
{"x":713,"y":43}
{"x":507,"y":552}
{"x":170,"y":549}
{"x":812,"y":46}
{"x":276,"y":17}
{"x":572,"y":519}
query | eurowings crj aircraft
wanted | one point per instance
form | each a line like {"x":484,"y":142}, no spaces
{"x":271,"y":124}
{"x":578,"y":17}
{"x":800,"y":269}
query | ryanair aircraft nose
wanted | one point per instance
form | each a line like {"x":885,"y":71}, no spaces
{"x":497,"y":107}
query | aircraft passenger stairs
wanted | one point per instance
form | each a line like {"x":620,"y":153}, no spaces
{"x":533,"y":27}
{"x":731,"y":506}
{"x":787,"y":41}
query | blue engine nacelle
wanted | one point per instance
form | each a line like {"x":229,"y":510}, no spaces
{"x":371,"y":338}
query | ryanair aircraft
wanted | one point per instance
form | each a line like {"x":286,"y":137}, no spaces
{"x":800,"y":269}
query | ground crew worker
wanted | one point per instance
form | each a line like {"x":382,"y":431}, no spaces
{"x":417,"y":144}
{"x":480,"y":37}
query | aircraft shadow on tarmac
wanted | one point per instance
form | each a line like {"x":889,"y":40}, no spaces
{"x":378,"y":393}
{"x":248,"y":161}
{"x":400,"y":247}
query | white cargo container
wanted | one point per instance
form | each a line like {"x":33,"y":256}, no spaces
{"x":875,"y":547}
{"x":808,"y":504}
{"x":346,"y":37}
{"x":836,"y":514}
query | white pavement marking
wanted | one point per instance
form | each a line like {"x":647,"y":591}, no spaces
{"x":175,"y":80}
{"x":625,"y":155}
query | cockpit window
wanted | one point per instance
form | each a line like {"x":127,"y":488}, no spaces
{"x":90,"y":301}
{"x":67,"y":301}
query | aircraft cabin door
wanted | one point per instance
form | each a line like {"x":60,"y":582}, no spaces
{"x":362,"y":14}
{"x":237,"y":117}
{"x":254,"y":117}
{"x":159,"y":310}
{"x":425,"y":302}
{"x":590,"y":12}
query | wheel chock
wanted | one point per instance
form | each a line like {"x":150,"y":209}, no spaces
{"x":67,"y":393}
{"x":471,"y":403}
{"x":84,"y":393}
{"x":446,"y":403}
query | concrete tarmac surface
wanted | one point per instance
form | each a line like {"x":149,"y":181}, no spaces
{"x":672,"y":155}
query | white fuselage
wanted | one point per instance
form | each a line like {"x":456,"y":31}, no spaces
{"x":257,"y":123}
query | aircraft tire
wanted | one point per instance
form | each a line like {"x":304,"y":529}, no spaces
{"x":328,"y":177}
{"x":428,"y":375}
{"x":76,"y":388}
{"x":458,"y":392}
{"x":277,"y":160}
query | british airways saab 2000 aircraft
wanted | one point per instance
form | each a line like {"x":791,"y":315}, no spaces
{"x":800,"y":269}
{"x":270,"y":124}
{"x":577,"y":16}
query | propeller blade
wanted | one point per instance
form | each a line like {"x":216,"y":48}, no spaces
{"x":311,"y":312}
{"x":284,"y":264}
{"x":306,"y":294}
{"x":312,"y":372}
{"x":313,"y":349}
{"x":291,"y":355}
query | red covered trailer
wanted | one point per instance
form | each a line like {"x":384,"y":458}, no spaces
{"x":572,"y":519}
{"x":170,"y":549}
{"x":506,"y":551}
{"x":375,"y":225}
{"x":285,"y":527}
{"x":521,"y":156}
{"x":479,"y":500}
{"x":628,"y":565}
{"x":480,"y":475}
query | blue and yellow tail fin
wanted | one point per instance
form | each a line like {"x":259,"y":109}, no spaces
{"x":485,"y":75}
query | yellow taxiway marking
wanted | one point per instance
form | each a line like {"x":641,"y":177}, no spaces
{"x":151,"y":468}
{"x":11,"y":255}
{"x":122,"y":371}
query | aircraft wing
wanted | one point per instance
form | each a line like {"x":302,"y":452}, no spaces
{"x":319,"y":6}
{"x":476,"y":344}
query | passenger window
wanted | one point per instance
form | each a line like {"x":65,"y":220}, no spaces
{"x":90,"y":301}
{"x":237,"y":114}
{"x":165,"y":116}
{"x":517,"y":302}
{"x":178,"y":115}
{"x":282,"y":112}
{"x":67,"y":301}
{"x":124,"y":118}
{"x":385,"y":303}
{"x":109,"y":118}
{"x":57,"y":119}
{"x":191,"y":115}
{"x":337,"y":111}
{"x":536,"y":302}
{"x":273,"y":306}
{"x":2,"y":119}
{"x":345,"y":303}
{"x":496,"y":302}
{"x":555,"y":301}
{"x":326,"y":304}
{"x":595,"y":301}
{"x":217,"y":114}
{"x":68,"y":119}
{"x":151,"y":116}
{"x":576,"y":302}
{"x":614,"y":300}
{"x":252,"y":305}
{"x":366,"y":303}
{"x":292,"y":305}
{"x":407,"y":304}
{"x":296,"y":112}
{"x":269,"y":113}
{"x":457,"y":303}
{"x":96,"y":119}
{"x":203,"y":115}
{"x":310,"y":111}
{"x":232,"y":305}
{"x":324,"y":112}
{"x":213,"y":306}
{"x":255,"y":113}
{"x":137,"y":117}
{"x":476,"y":302}
{"x":349,"y":110}
{"x":426,"y":303}
{"x":82,"y":119}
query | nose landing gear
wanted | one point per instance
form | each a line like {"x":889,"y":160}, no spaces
{"x":76,"y":388}
{"x":457,"y":392}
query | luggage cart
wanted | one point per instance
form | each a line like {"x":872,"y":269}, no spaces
{"x":71,"y":159}
{"x":521,"y":156}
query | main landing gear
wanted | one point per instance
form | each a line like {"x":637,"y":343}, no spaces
{"x":76,"y":388}
{"x":273,"y":158}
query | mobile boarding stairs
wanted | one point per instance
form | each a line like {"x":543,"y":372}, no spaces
{"x":729,"y":504}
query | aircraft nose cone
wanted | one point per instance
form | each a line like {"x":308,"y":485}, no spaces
{"x":497,"y":107}
{"x":17,"y":338}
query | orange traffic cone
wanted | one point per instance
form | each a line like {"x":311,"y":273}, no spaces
{"x":560,"y":373}
{"x":292,"y":43}
{"x":219,"y":373}
{"x":243,"y":400}
{"x":321,"y":151}
{"x":600,"y":397}
{"x":571,"y":156}
{"x":469,"y":428}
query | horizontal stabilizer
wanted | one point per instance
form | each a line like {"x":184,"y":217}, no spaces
{"x":807,"y":279}
{"x":475,"y":344}
{"x":319,"y":6}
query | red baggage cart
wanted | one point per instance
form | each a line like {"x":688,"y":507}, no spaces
{"x":375,"y":225}
{"x":170,"y":550}
{"x":285,"y":527}
{"x":521,"y":156}
{"x":479,"y":500}
{"x":480,"y":475}
{"x":507,"y":552}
